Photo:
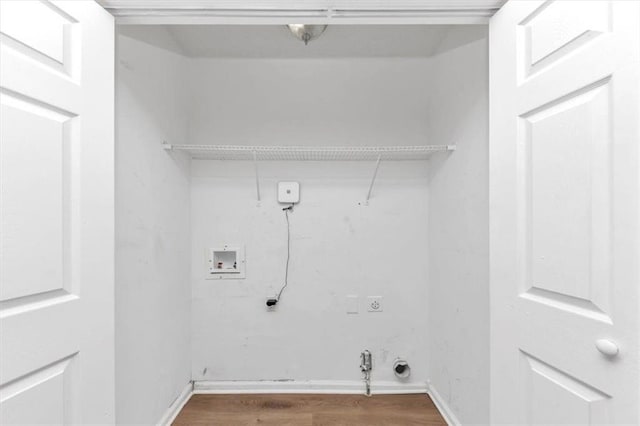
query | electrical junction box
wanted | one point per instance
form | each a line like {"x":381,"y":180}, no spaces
{"x":226,"y":262}
{"x":288,"y":192}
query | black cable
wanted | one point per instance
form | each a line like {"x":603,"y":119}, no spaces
{"x":286,"y":270}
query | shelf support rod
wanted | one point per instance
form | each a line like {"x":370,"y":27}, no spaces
{"x":255,"y":165}
{"x":373,"y":179}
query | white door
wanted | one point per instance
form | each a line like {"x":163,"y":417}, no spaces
{"x":56,"y":213}
{"x":565,"y":192}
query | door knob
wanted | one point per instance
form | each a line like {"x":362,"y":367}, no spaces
{"x":607,"y":347}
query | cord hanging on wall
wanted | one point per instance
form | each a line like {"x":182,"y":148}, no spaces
{"x":273,"y":301}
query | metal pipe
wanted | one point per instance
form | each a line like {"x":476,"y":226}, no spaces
{"x":375,"y":173}
{"x":255,"y":165}
{"x":366,"y":366}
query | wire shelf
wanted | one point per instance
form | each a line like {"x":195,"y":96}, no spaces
{"x":309,"y":153}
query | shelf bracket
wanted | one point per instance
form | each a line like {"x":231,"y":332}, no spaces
{"x":255,"y":165}
{"x":373,"y":179}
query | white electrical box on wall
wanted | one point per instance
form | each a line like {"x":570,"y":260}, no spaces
{"x":226,"y":262}
{"x":288,"y":192}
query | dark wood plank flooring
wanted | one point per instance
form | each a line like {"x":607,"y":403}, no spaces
{"x":310,"y":410}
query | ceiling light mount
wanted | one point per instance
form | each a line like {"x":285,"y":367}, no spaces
{"x":306,"y":32}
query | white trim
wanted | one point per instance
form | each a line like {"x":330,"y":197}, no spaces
{"x":446,"y":411}
{"x":338,"y":387}
{"x":306,"y":5}
{"x":354,"y":387}
{"x":209,"y":18}
{"x":176,"y":406}
{"x":198,"y":12}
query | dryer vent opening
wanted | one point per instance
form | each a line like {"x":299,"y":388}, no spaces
{"x":401,"y":369}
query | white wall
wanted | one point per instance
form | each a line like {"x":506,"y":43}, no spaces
{"x":152,"y":232}
{"x":459,"y":226}
{"x":359,"y":101}
{"x":422,"y":244}
{"x":338,"y":246}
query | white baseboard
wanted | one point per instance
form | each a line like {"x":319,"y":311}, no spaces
{"x":305,"y":387}
{"x":310,"y":386}
{"x":442,"y":406}
{"x":175,"y":407}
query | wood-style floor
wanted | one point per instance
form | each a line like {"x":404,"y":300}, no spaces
{"x":310,"y":410}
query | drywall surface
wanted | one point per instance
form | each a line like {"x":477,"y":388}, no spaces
{"x":153,"y":292}
{"x":359,"y":101}
{"x":458,"y":306}
{"x":338,"y":248}
{"x":421,"y":243}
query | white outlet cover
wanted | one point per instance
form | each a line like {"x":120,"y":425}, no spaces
{"x":374,"y":303}
{"x":352,"y":304}
{"x":288,"y":192}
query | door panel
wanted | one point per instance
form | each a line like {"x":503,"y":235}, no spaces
{"x":35,"y":171}
{"x":56,"y":213}
{"x":564,"y":179}
{"x":46,"y":392}
{"x":553,"y":397}
{"x":554,"y":29}
{"x":42,"y":31}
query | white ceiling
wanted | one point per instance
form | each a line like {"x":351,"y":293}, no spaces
{"x":275,"y":41}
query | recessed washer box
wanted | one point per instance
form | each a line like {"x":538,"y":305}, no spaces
{"x":226,"y":262}
{"x":288,"y":192}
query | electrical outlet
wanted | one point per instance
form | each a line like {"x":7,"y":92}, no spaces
{"x":269,"y":302}
{"x":374,"y":303}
